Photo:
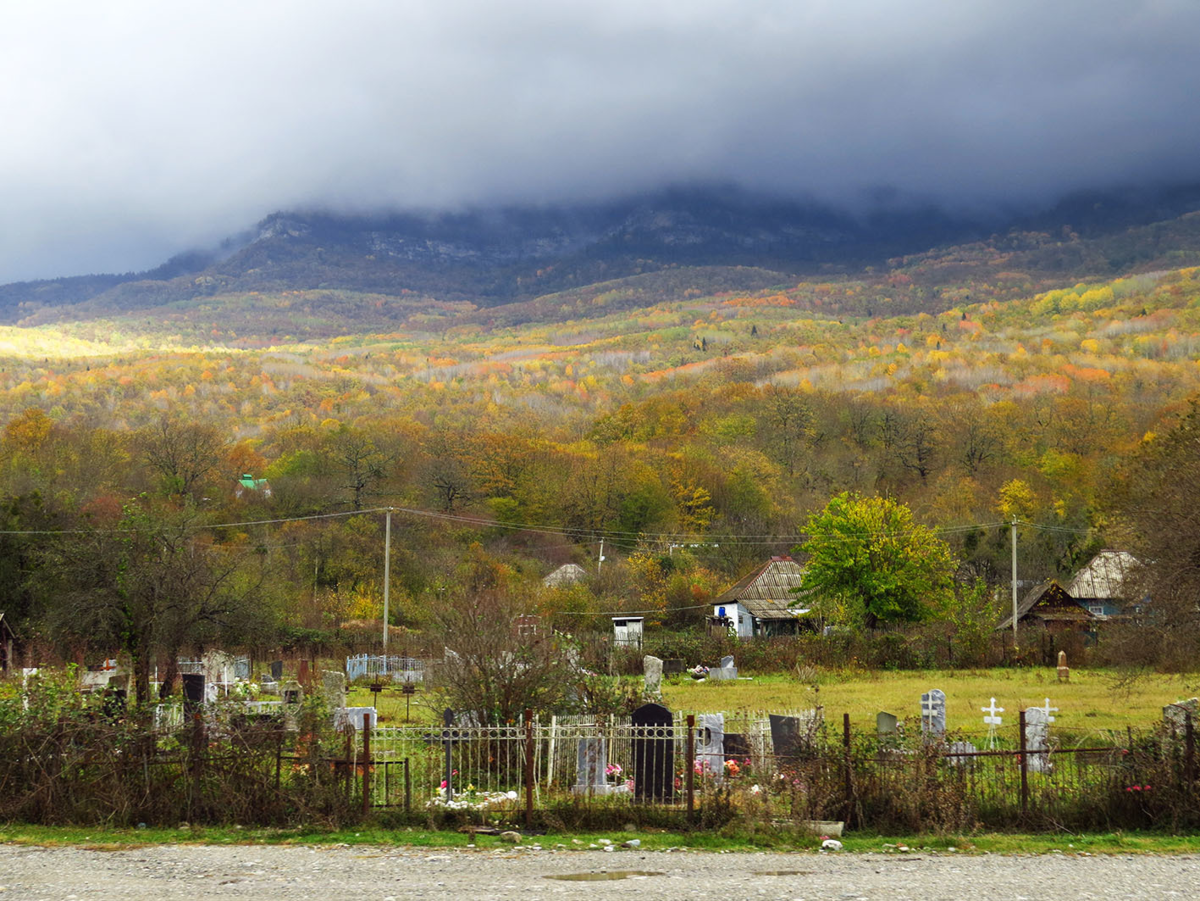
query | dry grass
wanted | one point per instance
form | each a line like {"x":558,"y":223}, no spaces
{"x":1093,"y":701}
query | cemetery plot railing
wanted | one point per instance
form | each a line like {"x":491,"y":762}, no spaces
{"x":393,"y":668}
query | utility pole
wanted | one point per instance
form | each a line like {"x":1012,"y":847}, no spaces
{"x":387,"y":574}
{"x":600,"y":562}
{"x":1014,"y":580}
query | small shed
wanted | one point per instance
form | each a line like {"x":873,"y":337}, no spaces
{"x":247,"y":484}
{"x":627,"y":631}
{"x":761,"y":602}
{"x":8,"y":646}
{"x":1100,"y":586}
{"x":1051,"y":606}
{"x":567,"y":574}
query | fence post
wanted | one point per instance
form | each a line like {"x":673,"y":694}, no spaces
{"x":848,"y":770}
{"x":407,"y":788}
{"x":1189,"y":750}
{"x":690,"y":773}
{"x":278,"y":757}
{"x":1024,"y":762}
{"x":366,"y":764}
{"x":528,"y":768}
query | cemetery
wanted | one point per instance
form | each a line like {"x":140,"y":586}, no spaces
{"x":281,"y":744}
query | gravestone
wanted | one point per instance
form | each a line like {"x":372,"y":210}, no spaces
{"x":292,"y":694}
{"x":886,"y":723}
{"x":710,"y":748}
{"x":1064,"y":671}
{"x":653,"y":668}
{"x":785,"y":737}
{"x":1177,"y":714}
{"x":193,"y":692}
{"x":933,"y":714}
{"x":961,"y":754}
{"x":737,"y":746}
{"x":354,"y":716}
{"x":591,"y":777}
{"x":672,"y":667}
{"x":333,"y":689}
{"x":653,"y":753}
{"x":1037,"y":739}
{"x":276,"y":670}
{"x":726,"y":670}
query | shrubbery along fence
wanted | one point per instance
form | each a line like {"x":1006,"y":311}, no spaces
{"x":222,"y":766}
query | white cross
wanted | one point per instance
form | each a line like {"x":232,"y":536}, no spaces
{"x":991,"y":719}
{"x":1049,"y":710}
{"x":929,"y":708}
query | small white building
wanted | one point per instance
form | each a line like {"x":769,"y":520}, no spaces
{"x":565,"y":575}
{"x":627,"y":631}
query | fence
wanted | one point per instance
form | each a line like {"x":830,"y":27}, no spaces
{"x":397,"y":669}
{"x":237,"y":765}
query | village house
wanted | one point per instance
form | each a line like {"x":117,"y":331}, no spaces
{"x":761,"y":604}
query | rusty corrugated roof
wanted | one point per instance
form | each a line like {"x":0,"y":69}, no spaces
{"x":1103,"y":576}
{"x":769,"y":591}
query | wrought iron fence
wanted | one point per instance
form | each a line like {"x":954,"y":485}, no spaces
{"x":397,"y":669}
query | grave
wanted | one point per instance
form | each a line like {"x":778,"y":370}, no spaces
{"x":710,"y":744}
{"x":673,"y":667}
{"x":653,"y":669}
{"x":653,"y":753}
{"x":737,"y":746}
{"x":933,"y":714}
{"x":1037,"y":738}
{"x":726,"y":670}
{"x":961,"y":754}
{"x":354,"y":716}
{"x":1064,"y":671}
{"x":333,"y":689}
{"x":292,"y":694}
{"x":193,"y":692}
{"x":591,"y":777}
{"x":992,"y":719}
{"x":1176,"y":715}
{"x":785,"y":737}
{"x":276,"y":670}
{"x":886,"y":724}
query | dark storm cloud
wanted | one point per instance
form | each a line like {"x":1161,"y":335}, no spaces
{"x":132,"y":130}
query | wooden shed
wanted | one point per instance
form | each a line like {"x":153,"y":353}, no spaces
{"x":1051,"y":606}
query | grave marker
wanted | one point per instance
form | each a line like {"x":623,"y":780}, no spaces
{"x":591,"y":775}
{"x":1037,"y":738}
{"x":653,"y":753}
{"x":933,"y":714}
{"x":886,"y":723}
{"x":653,"y":670}
{"x":992,"y":719}
{"x":710,"y":749}
{"x":785,"y":736}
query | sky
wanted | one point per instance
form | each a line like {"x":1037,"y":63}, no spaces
{"x":134,"y":130}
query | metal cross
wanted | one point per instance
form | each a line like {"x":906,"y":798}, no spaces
{"x":928,"y":707}
{"x":1049,"y":710}
{"x":991,"y":719}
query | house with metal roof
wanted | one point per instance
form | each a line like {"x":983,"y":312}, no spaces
{"x":1101,"y":586}
{"x":1051,"y":606}
{"x":761,"y":603}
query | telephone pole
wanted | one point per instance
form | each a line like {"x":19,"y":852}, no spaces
{"x":387,"y":574}
{"x":1014,"y":580}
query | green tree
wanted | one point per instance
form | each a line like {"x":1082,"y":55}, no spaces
{"x":870,"y":564}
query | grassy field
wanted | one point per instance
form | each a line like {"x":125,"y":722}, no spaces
{"x":1093,"y":700}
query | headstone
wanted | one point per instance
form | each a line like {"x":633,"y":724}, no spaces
{"x":653,"y":753}
{"x":1177,"y":714}
{"x":653,"y":667}
{"x":1037,"y":739}
{"x":1064,"y":671}
{"x":785,"y":737}
{"x":726,"y":670}
{"x":292,"y":694}
{"x":961,"y":753}
{"x":241,"y":667}
{"x":673,"y":667}
{"x":276,"y":670}
{"x":193,"y":692}
{"x":933,"y":714}
{"x":737,"y":746}
{"x":710,"y":748}
{"x":591,"y":777}
{"x":886,"y":723}
{"x":333,"y":689}
{"x":355,"y":716}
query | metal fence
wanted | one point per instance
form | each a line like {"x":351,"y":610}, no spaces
{"x":397,"y":669}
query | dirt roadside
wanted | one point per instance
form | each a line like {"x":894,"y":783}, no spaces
{"x":265,"y":872}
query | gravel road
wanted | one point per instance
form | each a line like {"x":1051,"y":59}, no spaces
{"x":266,"y":872}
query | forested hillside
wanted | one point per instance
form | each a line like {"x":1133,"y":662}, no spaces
{"x":692,"y":417}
